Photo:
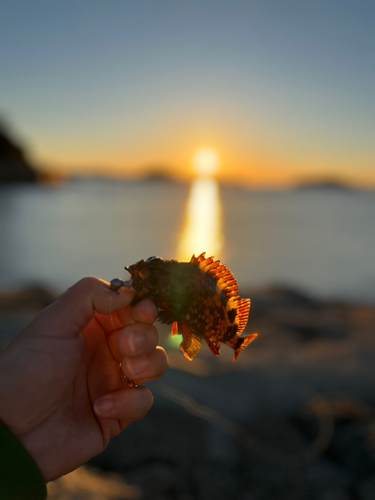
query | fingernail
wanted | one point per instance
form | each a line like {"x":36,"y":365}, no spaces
{"x":137,"y":365}
{"x":144,"y":405}
{"x":103,"y":406}
{"x":136,"y":341}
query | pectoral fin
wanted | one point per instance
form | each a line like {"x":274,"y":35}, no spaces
{"x":191,"y":343}
{"x":175,"y":329}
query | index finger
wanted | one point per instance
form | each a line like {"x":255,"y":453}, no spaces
{"x":74,"y":309}
{"x":143,"y":312}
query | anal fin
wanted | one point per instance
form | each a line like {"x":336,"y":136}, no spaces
{"x":214,"y":346}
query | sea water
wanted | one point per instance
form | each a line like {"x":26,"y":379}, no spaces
{"x":321,"y":241}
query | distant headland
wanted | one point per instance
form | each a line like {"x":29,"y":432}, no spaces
{"x":325,"y":185}
{"x":14,"y":164}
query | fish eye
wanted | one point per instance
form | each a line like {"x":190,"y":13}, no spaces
{"x":155,"y":262}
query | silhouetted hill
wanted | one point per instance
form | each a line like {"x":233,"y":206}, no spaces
{"x":325,"y":185}
{"x":14,"y":166}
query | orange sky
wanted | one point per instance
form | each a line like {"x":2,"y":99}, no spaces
{"x":258,"y":161}
{"x":282,"y":90}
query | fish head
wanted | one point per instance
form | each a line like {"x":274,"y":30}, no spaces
{"x":150,"y":278}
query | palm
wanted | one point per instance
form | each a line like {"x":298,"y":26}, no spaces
{"x":89,"y":371}
{"x":63,"y":363}
{"x":98,"y":374}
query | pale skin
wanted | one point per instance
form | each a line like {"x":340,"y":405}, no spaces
{"x":62,"y":389}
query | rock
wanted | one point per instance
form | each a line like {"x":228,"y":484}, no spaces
{"x":19,"y":307}
{"x":88,"y":483}
{"x":366,"y":488}
{"x":14,"y":166}
{"x":26,"y":300}
{"x":203,"y":447}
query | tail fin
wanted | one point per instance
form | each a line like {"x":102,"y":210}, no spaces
{"x":245,"y":342}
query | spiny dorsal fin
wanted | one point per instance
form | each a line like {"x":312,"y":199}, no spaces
{"x":204,"y":264}
{"x":211,"y":268}
{"x":197,"y":260}
{"x":223,"y":277}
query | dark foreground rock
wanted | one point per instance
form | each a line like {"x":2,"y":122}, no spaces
{"x":292,"y":419}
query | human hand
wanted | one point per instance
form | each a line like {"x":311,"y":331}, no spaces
{"x":62,"y":389}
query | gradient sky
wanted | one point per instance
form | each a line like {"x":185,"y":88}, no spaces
{"x":283,"y":90}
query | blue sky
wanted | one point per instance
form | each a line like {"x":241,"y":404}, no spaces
{"x":282,"y":90}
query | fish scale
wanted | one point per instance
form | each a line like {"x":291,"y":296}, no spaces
{"x":198,"y":298}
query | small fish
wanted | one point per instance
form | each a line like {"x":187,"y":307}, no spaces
{"x":199,"y":298}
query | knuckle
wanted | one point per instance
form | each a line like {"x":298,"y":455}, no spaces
{"x":87,"y":284}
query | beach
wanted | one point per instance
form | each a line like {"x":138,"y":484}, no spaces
{"x":293,"y":418}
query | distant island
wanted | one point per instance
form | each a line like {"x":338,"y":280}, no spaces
{"x":14,"y":165}
{"x":324,"y":184}
{"x":158,"y":177}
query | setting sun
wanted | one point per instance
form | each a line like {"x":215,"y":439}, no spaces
{"x":206,"y":162}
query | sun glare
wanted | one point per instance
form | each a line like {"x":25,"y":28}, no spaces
{"x":202,"y":231}
{"x":206,"y":162}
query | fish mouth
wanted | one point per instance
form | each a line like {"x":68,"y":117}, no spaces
{"x":128,"y":283}
{"x":136,"y":281}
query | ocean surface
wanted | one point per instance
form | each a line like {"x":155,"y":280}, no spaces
{"x":321,"y":241}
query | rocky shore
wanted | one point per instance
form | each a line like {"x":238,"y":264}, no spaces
{"x":293,"y":418}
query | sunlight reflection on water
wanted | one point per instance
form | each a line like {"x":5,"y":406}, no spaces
{"x":203,"y":227}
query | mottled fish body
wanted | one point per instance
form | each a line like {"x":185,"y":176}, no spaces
{"x":199,"y":298}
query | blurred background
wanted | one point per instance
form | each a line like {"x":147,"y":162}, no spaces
{"x":244,"y":129}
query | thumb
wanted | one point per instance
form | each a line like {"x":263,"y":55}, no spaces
{"x":75,"y":308}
